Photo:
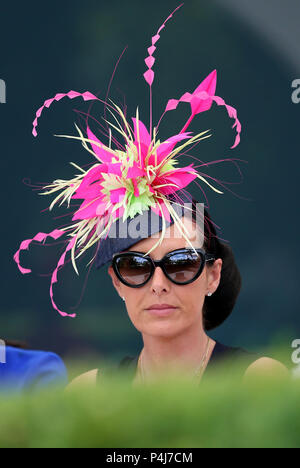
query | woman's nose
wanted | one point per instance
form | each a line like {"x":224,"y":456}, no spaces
{"x":159,"y":281}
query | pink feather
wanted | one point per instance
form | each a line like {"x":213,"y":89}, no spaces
{"x":40,"y":237}
{"x":54,"y":277}
{"x":149,"y":60}
{"x":87,"y":96}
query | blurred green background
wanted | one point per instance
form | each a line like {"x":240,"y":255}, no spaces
{"x":172,"y":412}
{"x":62,"y":46}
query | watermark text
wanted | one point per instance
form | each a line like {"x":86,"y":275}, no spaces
{"x":296,"y":93}
{"x":150,"y":223}
{"x":2,"y":352}
{"x":2,"y":92}
{"x":296,"y":353}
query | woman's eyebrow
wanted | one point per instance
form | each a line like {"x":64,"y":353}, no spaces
{"x":135,"y":251}
{"x":140,"y":252}
{"x":149,"y":255}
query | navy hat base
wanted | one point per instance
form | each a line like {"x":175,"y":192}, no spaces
{"x":124,"y":234}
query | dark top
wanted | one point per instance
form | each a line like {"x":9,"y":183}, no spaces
{"x":220,"y":353}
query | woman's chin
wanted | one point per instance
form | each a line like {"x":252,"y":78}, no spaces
{"x":166,"y":328}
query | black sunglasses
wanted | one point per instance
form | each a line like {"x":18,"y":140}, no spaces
{"x":181,"y":266}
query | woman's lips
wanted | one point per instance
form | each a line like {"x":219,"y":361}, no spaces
{"x":161,"y":309}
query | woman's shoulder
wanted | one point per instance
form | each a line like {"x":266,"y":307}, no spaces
{"x":266,"y":367}
{"x":255,"y":364}
{"x":87,"y":378}
{"x":93,"y":376}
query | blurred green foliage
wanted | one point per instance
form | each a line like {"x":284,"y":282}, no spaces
{"x":223,"y":411}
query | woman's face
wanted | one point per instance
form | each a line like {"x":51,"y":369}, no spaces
{"x":187,"y":299}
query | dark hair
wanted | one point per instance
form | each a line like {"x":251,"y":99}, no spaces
{"x":16,"y":344}
{"x":219,"y":306}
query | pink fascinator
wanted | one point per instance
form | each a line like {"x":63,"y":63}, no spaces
{"x":130,"y":175}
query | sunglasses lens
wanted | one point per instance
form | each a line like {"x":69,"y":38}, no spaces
{"x":133,"y":269}
{"x":182,"y":267}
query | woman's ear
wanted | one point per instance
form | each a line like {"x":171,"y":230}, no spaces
{"x":214,"y":275}
{"x":115,"y":280}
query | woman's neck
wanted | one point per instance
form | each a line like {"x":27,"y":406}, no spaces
{"x":181,"y":353}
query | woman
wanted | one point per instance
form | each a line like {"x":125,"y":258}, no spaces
{"x":135,"y":178}
{"x":173,"y":318}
